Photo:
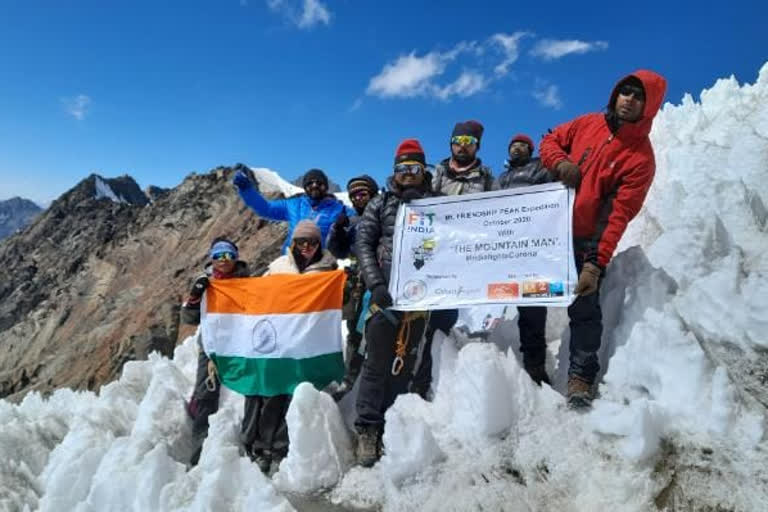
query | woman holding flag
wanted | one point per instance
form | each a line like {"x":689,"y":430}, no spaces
{"x":264,"y":432}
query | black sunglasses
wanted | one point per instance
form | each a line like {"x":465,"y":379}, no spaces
{"x":306,"y":242}
{"x":632,"y":90}
{"x":314,"y":182}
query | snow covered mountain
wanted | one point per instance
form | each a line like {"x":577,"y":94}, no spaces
{"x":16,"y":213}
{"x":680,"y":424}
{"x":97,"y":279}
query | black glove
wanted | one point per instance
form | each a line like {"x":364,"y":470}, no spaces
{"x":569,"y":173}
{"x":242,"y":181}
{"x":381,"y":297}
{"x":342,"y":220}
{"x":201,"y":283}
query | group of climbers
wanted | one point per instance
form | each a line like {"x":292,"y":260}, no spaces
{"x":606,"y":157}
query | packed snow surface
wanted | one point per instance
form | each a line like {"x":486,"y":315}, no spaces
{"x":679,"y":425}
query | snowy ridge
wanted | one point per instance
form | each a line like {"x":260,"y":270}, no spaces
{"x":679,"y":424}
{"x":103,"y":190}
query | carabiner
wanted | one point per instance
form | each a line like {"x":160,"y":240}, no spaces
{"x":210,"y":383}
{"x":397,"y":365}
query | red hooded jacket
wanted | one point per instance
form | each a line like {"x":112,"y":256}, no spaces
{"x":616,"y":169}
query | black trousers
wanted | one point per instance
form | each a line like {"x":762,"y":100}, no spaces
{"x":354,"y":359}
{"x":532,"y":322}
{"x":443,"y":319}
{"x":378,"y":387}
{"x":204,"y":401}
{"x":264,"y":428}
{"x":586,"y":322}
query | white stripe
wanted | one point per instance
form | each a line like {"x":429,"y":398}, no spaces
{"x":294,"y":335}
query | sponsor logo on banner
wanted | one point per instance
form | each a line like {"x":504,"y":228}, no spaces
{"x":424,"y":252}
{"x":415,"y":290}
{"x":539,"y":289}
{"x":499,"y":291}
{"x":420,"y":222}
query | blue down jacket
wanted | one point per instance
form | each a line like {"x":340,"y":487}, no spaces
{"x":295,"y":209}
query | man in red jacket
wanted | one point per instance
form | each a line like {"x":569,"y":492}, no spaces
{"x":608,"y":158}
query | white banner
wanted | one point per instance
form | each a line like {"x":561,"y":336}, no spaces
{"x":507,"y":247}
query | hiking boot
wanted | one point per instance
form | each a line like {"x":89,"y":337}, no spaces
{"x":263,"y":459}
{"x":368,"y":446}
{"x":580,"y":393}
{"x":538,"y":374}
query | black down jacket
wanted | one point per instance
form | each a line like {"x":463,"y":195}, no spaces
{"x":375,"y":234}
{"x":531,"y":173}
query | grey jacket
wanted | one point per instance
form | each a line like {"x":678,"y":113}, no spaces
{"x":531,"y":173}
{"x":449,"y":183}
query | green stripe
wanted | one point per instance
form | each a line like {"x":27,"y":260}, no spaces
{"x":278,"y":376}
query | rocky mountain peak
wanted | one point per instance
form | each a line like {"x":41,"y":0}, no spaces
{"x":95,"y":282}
{"x":15,"y":214}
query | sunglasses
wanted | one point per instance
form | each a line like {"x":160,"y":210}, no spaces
{"x":632,"y":90}
{"x":306,"y":242}
{"x":464,"y":140}
{"x":414,"y":168}
{"x":224,"y":256}
{"x":317,"y":183}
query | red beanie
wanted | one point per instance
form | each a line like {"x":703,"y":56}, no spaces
{"x":410,"y":149}
{"x":522,"y":138}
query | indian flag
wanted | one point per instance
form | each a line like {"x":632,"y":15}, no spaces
{"x":269,"y":334}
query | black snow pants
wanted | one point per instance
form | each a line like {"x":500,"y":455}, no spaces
{"x":532,"y":322}
{"x":443,"y":319}
{"x":378,"y":386}
{"x":204,"y":401}
{"x":586,"y":322}
{"x":264,"y":428}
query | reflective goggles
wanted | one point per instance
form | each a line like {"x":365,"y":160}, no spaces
{"x":632,"y":90}
{"x":224,"y":256}
{"x":409,"y":168}
{"x":464,"y":140}
{"x":306,"y":242}
{"x":317,"y":183}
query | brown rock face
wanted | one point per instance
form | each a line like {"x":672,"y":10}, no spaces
{"x":93,"y":283}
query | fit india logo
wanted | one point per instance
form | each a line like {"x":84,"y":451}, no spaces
{"x":264,"y":338}
{"x":415,"y":290}
{"x":420,"y":222}
{"x":424,"y":252}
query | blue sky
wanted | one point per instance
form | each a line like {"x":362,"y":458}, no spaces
{"x":160,"y":89}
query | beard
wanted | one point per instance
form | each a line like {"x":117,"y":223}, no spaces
{"x":516,"y":160}
{"x":463,"y":159}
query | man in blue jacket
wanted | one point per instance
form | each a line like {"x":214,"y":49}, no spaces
{"x":316,"y":204}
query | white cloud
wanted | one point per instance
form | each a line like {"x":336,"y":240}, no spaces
{"x":304,"y":14}
{"x":413,"y":75}
{"x":550,"y":49}
{"x":410,"y":75}
{"x":78,"y":106}
{"x":314,"y":12}
{"x":355,"y":105}
{"x":509,"y":45}
{"x":468,"y":83}
{"x":548,"y":95}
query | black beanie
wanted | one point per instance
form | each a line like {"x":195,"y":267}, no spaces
{"x":473,"y":128}
{"x":314,"y":174}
